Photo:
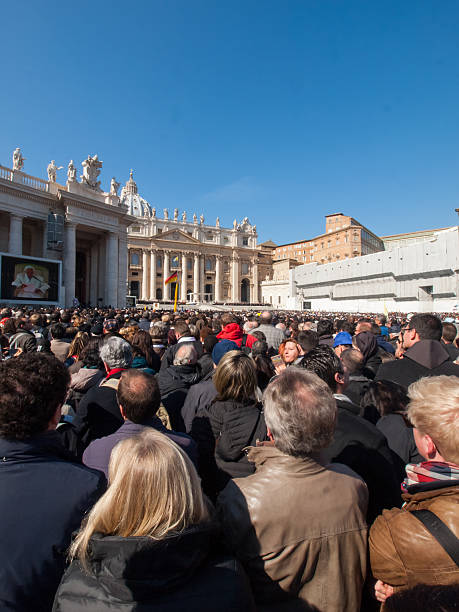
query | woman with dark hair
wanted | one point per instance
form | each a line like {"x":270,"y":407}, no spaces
{"x":367,"y":344}
{"x":263,"y":364}
{"x":76,"y":347}
{"x":91,"y":372}
{"x":384,"y":404}
{"x":144,"y":357}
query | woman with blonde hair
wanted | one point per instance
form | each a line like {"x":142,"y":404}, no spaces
{"x":233,"y":421}
{"x":148,"y":542}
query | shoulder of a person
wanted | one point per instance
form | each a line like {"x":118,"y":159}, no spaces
{"x":340,"y":469}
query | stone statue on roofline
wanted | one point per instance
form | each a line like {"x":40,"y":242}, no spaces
{"x":184,"y":215}
{"x":166,"y":213}
{"x":18,"y":160}
{"x":52,"y":171}
{"x":153,"y":212}
{"x":217,"y":222}
{"x":71,"y":172}
{"x":195,"y":218}
{"x":175,"y":214}
{"x":91,"y":171}
{"x":114,"y":186}
{"x":201,"y":219}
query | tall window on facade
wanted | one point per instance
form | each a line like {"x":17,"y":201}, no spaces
{"x":159,"y":262}
{"x":175,"y":262}
{"x":208,"y":264}
{"x":135,"y":259}
{"x":245,"y":242}
{"x":245,"y":268}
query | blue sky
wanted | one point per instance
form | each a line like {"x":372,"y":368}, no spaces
{"x":282,"y":111}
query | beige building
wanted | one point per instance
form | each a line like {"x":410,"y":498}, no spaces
{"x":75,"y":228}
{"x":213,"y":263}
{"x":344,"y":238}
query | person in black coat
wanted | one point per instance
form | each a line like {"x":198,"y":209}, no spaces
{"x":150,"y":542}
{"x":183,"y":335}
{"x":424,"y":354}
{"x":98,"y":412}
{"x":175,"y":381}
{"x":357,"y":443}
{"x":233,"y":421}
{"x":43,"y":493}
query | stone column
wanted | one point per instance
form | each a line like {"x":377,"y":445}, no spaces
{"x":94,"y":269}
{"x":153,"y":276}
{"x":255,"y":289}
{"x":235,"y":290}
{"x":69,"y":263}
{"x":101,"y":293}
{"x":166,"y":274}
{"x":15,"y":241}
{"x":122,"y":268}
{"x":202,"y":275}
{"x":144,"y":292}
{"x":112,"y":269}
{"x":44,"y":248}
{"x":196,"y":277}
{"x":184,"y":277}
{"x":218,"y":278}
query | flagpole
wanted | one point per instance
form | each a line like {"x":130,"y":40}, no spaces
{"x":176,"y":293}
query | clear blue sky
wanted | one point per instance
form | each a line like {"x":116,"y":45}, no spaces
{"x":282,"y":111}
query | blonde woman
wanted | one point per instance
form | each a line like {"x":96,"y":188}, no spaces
{"x":148,"y":543}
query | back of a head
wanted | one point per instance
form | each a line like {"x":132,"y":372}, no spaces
{"x":209,"y":343}
{"x":449,"y":332}
{"x":386,"y":396}
{"x":324,"y":362}
{"x":300,"y":412}
{"x":266,"y":318}
{"x":32,"y":387}
{"x":116,"y":353}
{"x":154,"y":491}
{"x":90,"y":355}
{"x":325,"y":327}
{"x":427,"y":326}
{"x":308,"y":340}
{"x":428,"y":597}
{"x":235,"y":377}
{"x":138,"y":394}
{"x":352,"y":359}
{"x":36,"y":319}
{"x":57,"y":331}
{"x":375,"y":329}
{"x":186,"y":355}
{"x":434,"y":410}
{"x":228,"y":318}
{"x":181,"y":328}
{"x":260,"y":347}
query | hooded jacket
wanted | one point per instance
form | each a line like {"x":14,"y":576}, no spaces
{"x":174,"y":383}
{"x":424,"y":358}
{"x":233,"y":332}
{"x":299,"y":529}
{"x":181,"y":572}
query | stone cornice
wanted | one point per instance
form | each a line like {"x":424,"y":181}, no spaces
{"x":86,"y":203}
{"x":24,"y":192}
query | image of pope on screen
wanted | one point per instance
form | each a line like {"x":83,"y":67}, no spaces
{"x":29,"y":282}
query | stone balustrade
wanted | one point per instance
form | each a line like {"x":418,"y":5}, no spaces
{"x":24,"y":179}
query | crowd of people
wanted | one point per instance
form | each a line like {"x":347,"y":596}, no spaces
{"x":228,"y":461}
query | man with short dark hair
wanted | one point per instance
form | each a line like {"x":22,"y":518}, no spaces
{"x":43,"y":494}
{"x":298,"y":525}
{"x":139,"y":400}
{"x":24,"y":339}
{"x":449,"y":333}
{"x":424,"y":353}
{"x":59,"y":346}
{"x":308,"y":340}
{"x":183,"y":335}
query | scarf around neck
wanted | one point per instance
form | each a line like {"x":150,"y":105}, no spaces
{"x":429,"y":471}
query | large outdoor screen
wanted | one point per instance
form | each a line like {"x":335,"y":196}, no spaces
{"x":25,"y":279}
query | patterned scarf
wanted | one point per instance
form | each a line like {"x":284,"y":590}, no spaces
{"x":429,"y":471}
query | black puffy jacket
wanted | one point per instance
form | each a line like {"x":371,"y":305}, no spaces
{"x":180,"y":573}
{"x":222,"y":431}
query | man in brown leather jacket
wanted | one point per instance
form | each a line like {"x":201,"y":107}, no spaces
{"x":403,"y":551}
{"x":296,"y":525}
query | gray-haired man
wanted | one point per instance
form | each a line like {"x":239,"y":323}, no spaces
{"x":98,"y":413}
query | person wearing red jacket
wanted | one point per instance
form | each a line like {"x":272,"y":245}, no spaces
{"x":232,"y":331}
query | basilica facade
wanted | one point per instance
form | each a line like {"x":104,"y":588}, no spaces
{"x":212,"y":263}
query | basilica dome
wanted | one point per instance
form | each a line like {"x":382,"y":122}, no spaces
{"x":137,"y":206}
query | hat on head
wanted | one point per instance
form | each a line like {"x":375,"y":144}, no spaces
{"x":222,"y":347}
{"x":97,"y":329}
{"x":111,"y":325}
{"x":342,"y":338}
